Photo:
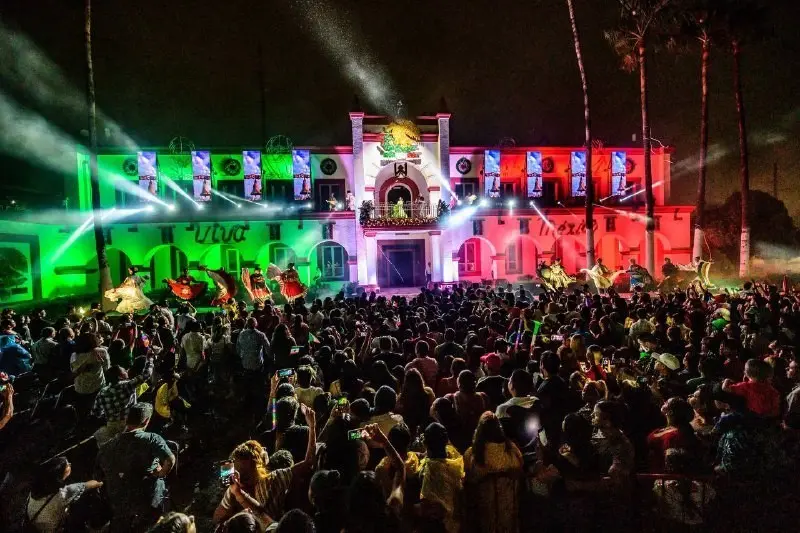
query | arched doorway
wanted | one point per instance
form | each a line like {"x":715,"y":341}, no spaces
{"x":166,"y":261}
{"x":330,"y":262}
{"x":399,"y":191}
{"x":475,"y":259}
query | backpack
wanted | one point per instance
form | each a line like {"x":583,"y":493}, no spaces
{"x":28,"y":522}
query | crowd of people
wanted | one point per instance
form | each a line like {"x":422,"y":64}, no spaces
{"x":466,"y":408}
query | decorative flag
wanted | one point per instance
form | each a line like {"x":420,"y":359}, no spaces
{"x":252,"y":175}
{"x":301,"y":172}
{"x":619,"y":173}
{"x":148,"y":172}
{"x":577,"y":169}
{"x":534,"y":174}
{"x":491,"y":174}
{"x":201,"y":172}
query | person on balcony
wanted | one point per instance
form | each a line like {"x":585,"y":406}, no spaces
{"x":331,"y":201}
{"x":398,"y":211}
{"x":350,"y":201}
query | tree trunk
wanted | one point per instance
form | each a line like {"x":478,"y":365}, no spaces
{"x":744,"y":167}
{"x":650,"y":224}
{"x":699,"y":217}
{"x":104,"y":274}
{"x":589,"y":205}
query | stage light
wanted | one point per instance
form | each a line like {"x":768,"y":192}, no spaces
{"x":512,"y":203}
{"x":150,"y":209}
{"x":339,"y":205}
{"x":13,"y":202}
{"x":238,"y":206}
{"x":171,"y":207}
{"x":484,"y":203}
{"x":531,"y":203}
{"x":264,"y":206}
{"x":309,"y":205}
{"x":459,"y":202}
{"x":199,"y":207}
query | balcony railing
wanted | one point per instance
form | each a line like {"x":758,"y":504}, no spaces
{"x":407,"y":214}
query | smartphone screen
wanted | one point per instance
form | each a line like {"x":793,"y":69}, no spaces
{"x":226,"y":471}
{"x":286,"y":373}
{"x":356,"y":434}
{"x":3,"y":387}
{"x":341,"y":401}
{"x":295,"y":350}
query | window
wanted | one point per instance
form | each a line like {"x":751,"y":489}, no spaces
{"x":327,"y":232}
{"x":468,"y":259}
{"x":279,"y":190}
{"x":282,"y":256}
{"x":232,"y":260}
{"x":467,"y":187}
{"x":514,"y":258}
{"x":324,"y":190}
{"x":331,"y":260}
{"x":477,"y":227}
{"x":611,"y":223}
{"x":274,"y":232}
{"x":549,"y":193}
{"x":508,"y":190}
{"x":524,"y":226}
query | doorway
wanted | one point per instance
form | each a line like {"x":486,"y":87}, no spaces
{"x":397,"y":192}
{"x":401,"y":263}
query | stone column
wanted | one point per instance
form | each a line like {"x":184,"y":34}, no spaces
{"x":436,"y":256}
{"x":357,"y":127}
{"x":444,"y":153}
{"x":371,"y":259}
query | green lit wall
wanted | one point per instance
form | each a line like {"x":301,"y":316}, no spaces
{"x":162,"y":249}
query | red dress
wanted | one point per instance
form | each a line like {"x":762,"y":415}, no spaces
{"x":186,"y":287}
{"x":226,"y":286}
{"x":291,"y":287}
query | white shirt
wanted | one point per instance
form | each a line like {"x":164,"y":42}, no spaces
{"x":193,"y":344}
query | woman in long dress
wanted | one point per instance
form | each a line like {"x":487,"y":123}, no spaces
{"x":185,"y":287}
{"x":398,"y":211}
{"x":130,"y":294}
{"x":255,"y":284}
{"x":558,"y":276}
{"x":289,"y":281}
{"x":600,"y":274}
{"x":225,"y":284}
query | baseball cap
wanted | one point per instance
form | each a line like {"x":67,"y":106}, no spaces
{"x":668,"y":360}
{"x":492,"y":361}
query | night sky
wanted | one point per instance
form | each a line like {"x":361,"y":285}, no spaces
{"x":506,"y":69}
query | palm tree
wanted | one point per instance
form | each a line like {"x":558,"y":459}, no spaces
{"x":696,"y":22}
{"x":589,"y":210}
{"x":104,"y":273}
{"x":639,"y":24}
{"x":743,"y":21}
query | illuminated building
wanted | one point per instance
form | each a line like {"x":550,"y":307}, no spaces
{"x":527,"y":207}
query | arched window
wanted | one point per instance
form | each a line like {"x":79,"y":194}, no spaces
{"x":281,"y":255}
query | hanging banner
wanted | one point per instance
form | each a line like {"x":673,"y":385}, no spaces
{"x":201,"y":172}
{"x":148,"y":172}
{"x":252,"y":175}
{"x":534,"y":174}
{"x":301,"y":172}
{"x":491,"y":174}
{"x":577,"y":169}
{"x":619,"y":173}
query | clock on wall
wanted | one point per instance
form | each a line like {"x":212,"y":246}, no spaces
{"x":328,"y":166}
{"x":548,"y":165}
{"x":629,"y":166}
{"x":130,"y":167}
{"x":463,"y":165}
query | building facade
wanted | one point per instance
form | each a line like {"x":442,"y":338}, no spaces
{"x":468,"y":213}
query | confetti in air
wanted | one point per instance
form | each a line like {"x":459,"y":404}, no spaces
{"x":338,"y":37}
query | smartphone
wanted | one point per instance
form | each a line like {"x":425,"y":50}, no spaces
{"x":356,"y":434}
{"x":642,"y":381}
{"x":3,"y":387}
{"x":295,"y":350}
{"x":226,"y":471}
{"x":559,"y":338}
{"x":342,"y":401}
{"x":286,"y":373}
{"x":606,"y":363}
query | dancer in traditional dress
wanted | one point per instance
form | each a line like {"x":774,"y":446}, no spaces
{"x":289,"y":280}
{"x":185,"y":287}
{"x":558,"y":276}
{"x":255,"y":284}
{"x":225,"y":284}
{"x":701,"y":269}
{"x":639,"y":276}
{"x":130,"y":294}
{"x":398,"y":211}
{"x":600,"y":274}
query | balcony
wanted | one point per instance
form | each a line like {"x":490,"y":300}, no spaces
{"x":392,"y":215}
